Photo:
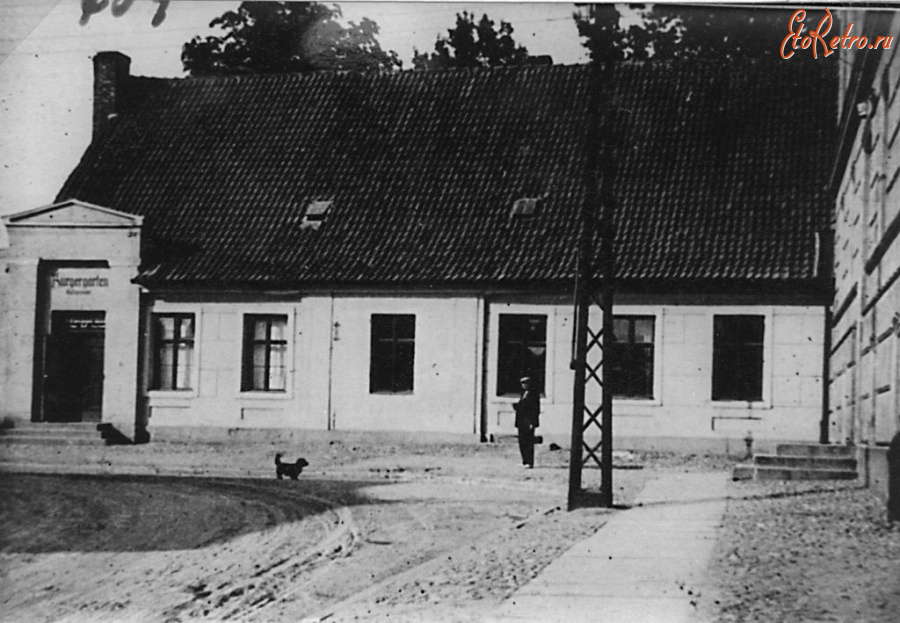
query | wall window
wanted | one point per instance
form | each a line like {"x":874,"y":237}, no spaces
{"x":522,"y":351}
{"x":393,"y":353}
{"x":631,"y":357}
{"x":738,"y":357}
{"x":264,"y":366}
{"x":173,"y":351}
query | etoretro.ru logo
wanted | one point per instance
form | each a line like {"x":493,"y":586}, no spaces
{"x":817,"y":38}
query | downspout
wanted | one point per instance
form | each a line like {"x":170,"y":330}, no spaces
{"x":824,"y":425}
{"x":825,"y":252}
{"x":331,"y":337}
{"x":481,"y":384}
{"x":142,"y":404}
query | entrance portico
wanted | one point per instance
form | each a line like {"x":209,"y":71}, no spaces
{"x":72,"y":315}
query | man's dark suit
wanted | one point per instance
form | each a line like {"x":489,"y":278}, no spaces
{"x":528,"y":411}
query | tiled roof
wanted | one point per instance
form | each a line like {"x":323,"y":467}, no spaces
{"x":722,"y":174}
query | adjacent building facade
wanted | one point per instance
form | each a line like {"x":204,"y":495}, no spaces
{"x":865,"y":351}
{"x":393,"y":252}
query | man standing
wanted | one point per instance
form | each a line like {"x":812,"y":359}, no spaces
{"x":528,"y":411}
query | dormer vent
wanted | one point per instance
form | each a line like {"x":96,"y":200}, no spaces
{"x":527,"y":206}
{"x":315,"y":214}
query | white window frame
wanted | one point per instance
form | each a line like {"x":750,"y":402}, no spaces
{"x":267,"y":310}
{"x":498,"y":309}
{"x":623,"y":405}
{"x":416,"y":315}
{"x":768,"y":341}
{"x":160,"y":397}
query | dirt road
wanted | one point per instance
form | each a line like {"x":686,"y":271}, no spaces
{"x":805,"y":551}
{"x":399,"y":532}
{"x":436,"y":534}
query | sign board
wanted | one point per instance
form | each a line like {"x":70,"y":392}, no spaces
{"x":79,"y":281}
{"x":82,"y":323}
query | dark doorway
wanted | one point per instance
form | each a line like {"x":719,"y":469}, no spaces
{"x":73,"y":381}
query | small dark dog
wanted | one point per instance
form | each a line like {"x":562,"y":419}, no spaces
{"x":291,"y":470}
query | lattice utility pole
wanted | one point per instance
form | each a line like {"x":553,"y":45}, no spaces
{"x":592,"y":434}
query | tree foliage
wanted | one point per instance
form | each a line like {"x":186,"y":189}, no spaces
{"x":667,"y":31}
{"x":278,"y":37}
{"x":473,"y":44}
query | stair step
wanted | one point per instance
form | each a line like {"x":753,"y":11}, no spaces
{"x":813,"y":449}
{"x":761,"y":472}
{"x":44,"y":440}
{"x":46,"y":426}
{"x":39,"y":433}
{"x":51,"y":432}
{"x":805,"y":462}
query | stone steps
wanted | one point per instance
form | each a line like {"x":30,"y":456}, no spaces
{"x":755,"y":472}
{"x":63,"y":434}
{"x":805,"y":462}
{"x":801,"y":462}
{"x":814,"y":450}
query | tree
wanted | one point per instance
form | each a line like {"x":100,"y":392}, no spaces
{"x":602,"y":33}
{"x":279,"y":37}
{"x":474,"y":45}
{"x":717,"y":33}
{"x":667,"y":31}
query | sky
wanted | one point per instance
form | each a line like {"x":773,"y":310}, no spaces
{"x":46,"y":78}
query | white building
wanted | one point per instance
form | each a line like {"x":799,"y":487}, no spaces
{"x":352,"y":252}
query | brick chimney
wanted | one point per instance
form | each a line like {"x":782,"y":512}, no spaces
{"x":111,"y":71}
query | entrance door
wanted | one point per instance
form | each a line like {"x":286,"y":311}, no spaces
{"x":73,"y":381}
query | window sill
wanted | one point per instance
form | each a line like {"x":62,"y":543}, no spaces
{"x":752,"y":405}
{"x":160,"y":397}
{"x":625,"y":403}
{"x":390,"y":393}
{"x":263,"y":395}
{"x":515,"y":397}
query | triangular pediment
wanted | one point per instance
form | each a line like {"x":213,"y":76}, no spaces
{"x":72,"y":213}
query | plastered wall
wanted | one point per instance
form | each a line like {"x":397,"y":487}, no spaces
{"x":328,"y":379}
{"x":682,"y":406}
{"x":328,"y":382}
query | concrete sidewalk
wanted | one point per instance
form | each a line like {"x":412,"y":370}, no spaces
{"x":644,"y":566}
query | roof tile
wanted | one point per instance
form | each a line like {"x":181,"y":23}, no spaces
{"x":719,"y":174}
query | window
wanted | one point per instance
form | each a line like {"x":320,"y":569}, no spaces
{"x":738,"y":357}
{"x":264,"y":367}
{"x":522,"y":351}
{"x":393,"y":353}
{"x":173,"y":349}
{"x":526,"y":206}
{"x":631,"y":357}
{"x":315,"y":214}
